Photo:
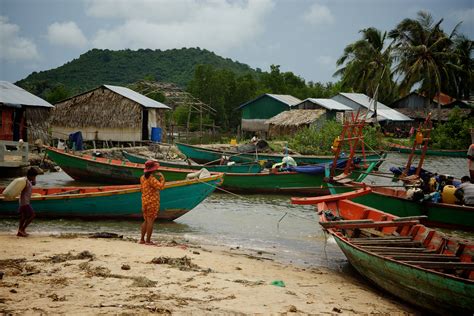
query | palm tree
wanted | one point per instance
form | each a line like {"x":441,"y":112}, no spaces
{"x":423,"y":51}
{"x":366,"y":64}
{"x":464,"y":49}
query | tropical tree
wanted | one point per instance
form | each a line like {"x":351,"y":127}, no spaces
{"x":423,"y":52}
{"x":366,"y":64}
{"x":464,"y":49}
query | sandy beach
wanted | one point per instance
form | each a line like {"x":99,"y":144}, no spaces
{"x":75,"y":274}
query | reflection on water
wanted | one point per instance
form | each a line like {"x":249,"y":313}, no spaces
{"x":267,"y":223}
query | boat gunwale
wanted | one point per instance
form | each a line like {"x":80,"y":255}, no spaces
{"x":129,"y":189}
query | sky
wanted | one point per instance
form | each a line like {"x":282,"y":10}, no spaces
{"x":305,"y":37}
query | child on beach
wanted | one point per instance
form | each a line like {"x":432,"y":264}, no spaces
{"x":26,"y":211}
{"x":150,"y":187}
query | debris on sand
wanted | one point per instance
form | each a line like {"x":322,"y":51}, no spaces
{"x":183,"y":263}
{"x":105,"y":235}
{"x":99,"y":271}
{"x":86,"y":254}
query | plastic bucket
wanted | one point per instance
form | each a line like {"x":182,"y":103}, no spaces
{"x":156,"y":134}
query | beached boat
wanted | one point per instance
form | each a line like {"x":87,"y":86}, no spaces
{"x":396,"y":202}
{"x":236,"y":168}
{"x":116,"y":202}
{"x":430,"y":152}
{"x":102,"y":170}
{"x":418,"y":264}
{"x":204,"y":155}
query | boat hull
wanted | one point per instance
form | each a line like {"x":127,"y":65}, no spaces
{"x":100,"y":170}
{"x":204,"y":155}
{"x":248,"y":168}
{"x":431,"y":152}
{"x":176,"y":199}
{"x":279,"y":183}
{"x":439,"y":214}
{"x":428,"y":290}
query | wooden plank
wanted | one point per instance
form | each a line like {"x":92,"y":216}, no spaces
{"x":393,"y":249}
{"x":443,"y":265}
{"x":388,"y":243}
{"x":342,"y":225}
{"x":409,"y":218}
{"x":429,"y":257}
{"x":387,"y":237}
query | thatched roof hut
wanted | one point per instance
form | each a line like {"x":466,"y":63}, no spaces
{"x":109,"y":113}
{"x":288,"y":122}
{"x":23,"y":115}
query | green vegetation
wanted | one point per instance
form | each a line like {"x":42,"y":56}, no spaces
{"x":97,"y":67}
{"x":454,"y":134}
{"x":317,"y":140}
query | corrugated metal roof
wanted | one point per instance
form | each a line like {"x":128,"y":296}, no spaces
{"x":285,"y":98}
{"x":329,"y":104}
{"x":12,"y":94}
{"x":137,"y":97}
{"x":382,"y":110}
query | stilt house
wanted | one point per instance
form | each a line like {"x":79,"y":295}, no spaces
{"x":22,"y":114}
{"x":109,"y":113}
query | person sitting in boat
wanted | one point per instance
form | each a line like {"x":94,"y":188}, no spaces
{"x":150,"y":187}
{"x":465,"y":192}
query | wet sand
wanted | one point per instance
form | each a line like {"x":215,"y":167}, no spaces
{"x":81,"y":275}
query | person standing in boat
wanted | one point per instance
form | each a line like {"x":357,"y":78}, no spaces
{"x":27,"y":213}
{"x":150,"y":187}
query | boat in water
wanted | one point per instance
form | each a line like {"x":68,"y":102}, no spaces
{"x":233,"y":168}
{"x":205,"y":155}
{"x":114,"y":202}
{"x":407,"y":259}
{"x":103,"y":170}
{"x":430,"y":152}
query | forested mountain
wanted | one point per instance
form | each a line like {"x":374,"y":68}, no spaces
{"x":97,"y":67}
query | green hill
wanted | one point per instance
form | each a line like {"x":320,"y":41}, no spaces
{"x":97,"y":67}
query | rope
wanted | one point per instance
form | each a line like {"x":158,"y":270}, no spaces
{"x":249,"y":200}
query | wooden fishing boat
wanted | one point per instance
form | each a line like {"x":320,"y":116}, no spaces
{"x":396,"y":202}
{"x":102,"y":170}
{"x":420,"y":265}
{"x":237,"y":168}
{"x":204,"y":155}
{"x":430,"y":152}
{"x":116,"y":202}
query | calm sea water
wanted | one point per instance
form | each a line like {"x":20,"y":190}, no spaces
{"x":285,"y":232}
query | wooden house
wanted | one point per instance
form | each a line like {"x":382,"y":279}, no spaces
{"x":256,"y":112}
{"x":109,"y":113}
{"x":289,"y":122}
{"x":417,"y":106}
{"x":22,"y":114}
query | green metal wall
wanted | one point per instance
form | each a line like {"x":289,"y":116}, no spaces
{"x":263,"y":108}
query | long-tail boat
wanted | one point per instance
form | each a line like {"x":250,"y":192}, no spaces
{"x":430,"y":152}
{"x":103,"y":170}
{"x":236,"y":168}
{"x":397,"y":201}
{"x":116,"y":202}
{"x":420,"y":265}
{"x":205,"y":155}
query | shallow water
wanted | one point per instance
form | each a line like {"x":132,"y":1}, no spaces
{"x":285,"y":232}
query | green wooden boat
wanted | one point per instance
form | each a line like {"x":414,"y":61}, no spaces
{"x":204,"y":155}
{"x":237,"y":168}
{"x":102,"y":170}
{"x":115,"y":202}
{"x":430,"y":152}
{"x":420,"y":265}
{"x":395,"y":201}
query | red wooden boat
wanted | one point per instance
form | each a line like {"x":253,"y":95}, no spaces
{"x":420,"y":265}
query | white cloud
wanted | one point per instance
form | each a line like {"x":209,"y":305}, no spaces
{"x":14,"y":47}
{"x":66,"y":34}
{"x":163,"y":24}
{"x":319,"y":14}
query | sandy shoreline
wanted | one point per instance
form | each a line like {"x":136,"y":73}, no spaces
{"x":80,"y":275}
